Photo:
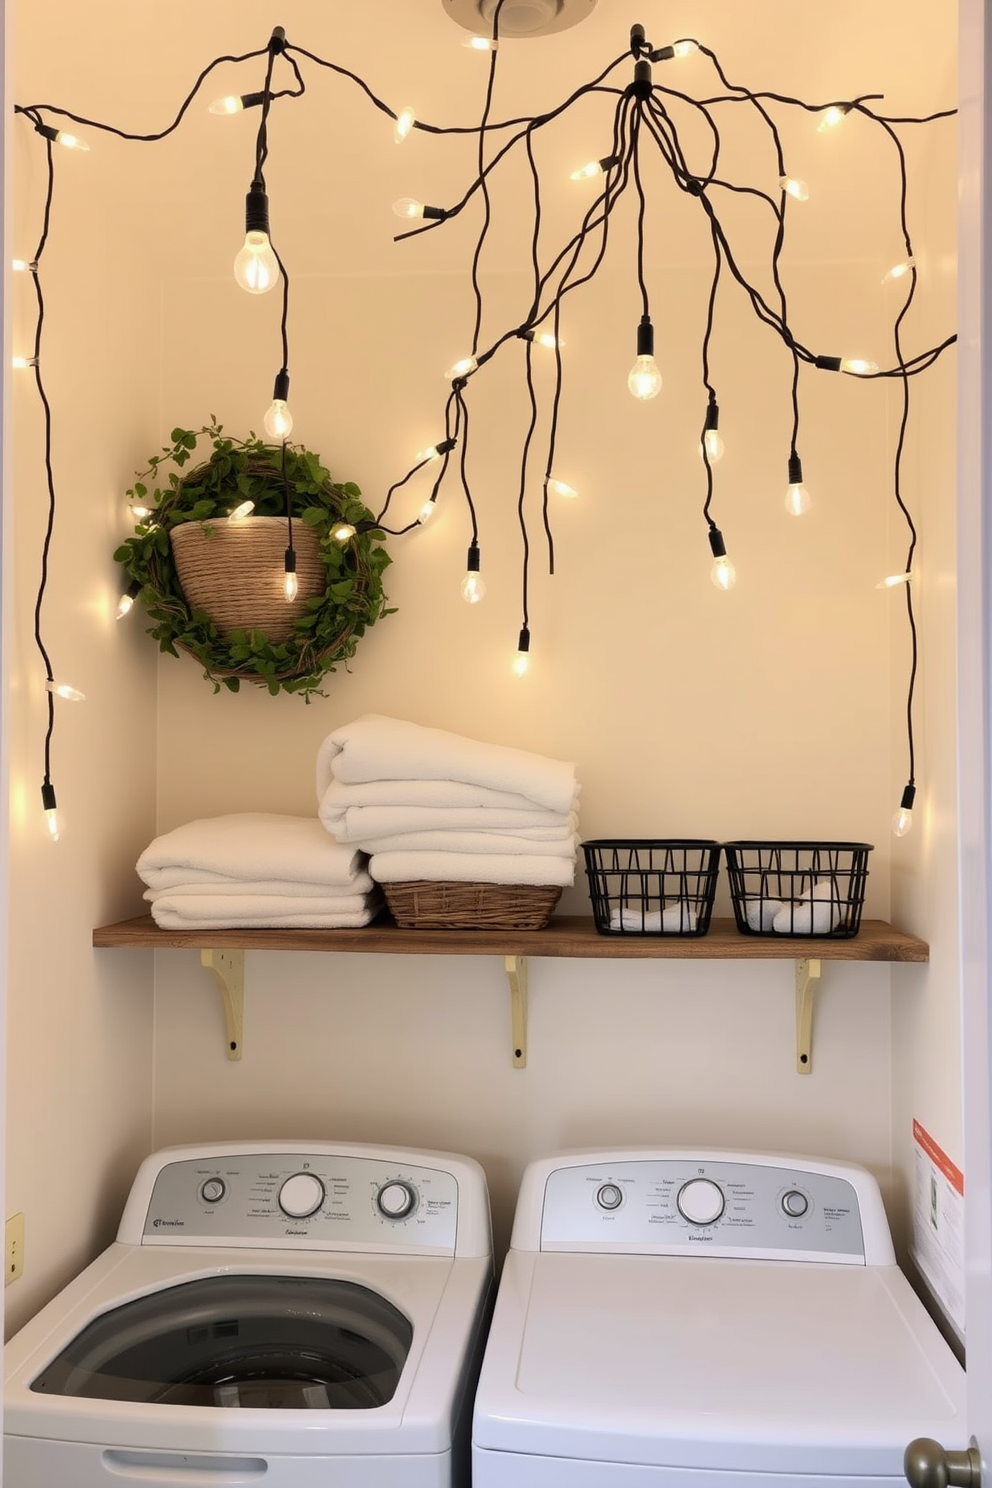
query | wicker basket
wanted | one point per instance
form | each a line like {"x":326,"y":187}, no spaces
{"x":235,"y":572}
{"x":423,"y":905}
{"x":652,"y":886}
{"x":800,"y":889}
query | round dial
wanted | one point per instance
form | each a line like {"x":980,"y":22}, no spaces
{"x":609,"y":1196}
{"x":396,"y":1200}
{"x":213,"y":1190}
{"x":700,"y":1201}
{"x":795,"y":1203}
{"x":301,"y":1195}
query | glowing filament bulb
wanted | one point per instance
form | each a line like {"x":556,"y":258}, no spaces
{"x":278,"y":421}
{"x":229,"y":105}
{"x":792,"y":186}
{"x":561,"y":488}
{"x":462,"y":368}
{"x":427,"y":511}
{"x":240,"y":512}
{"x":290,"y":584}
{"x":891,"y":581}
{"x":49,"y":806}
{"x":473,"y":587}
{"x":722,"y":574}
{"x":833,"y":116}
{"x":71,"y":141}
{"x":521,"y":662}
{"x":899,"y":270}
{"x":858,"y":367}
{"x":343,"y":532}
{"x":644,"y":379}
{"x":405,"y":121}
{"x":797,"y":499}
{"x":592,"y":168}
{"x":480,"y":44}
{"x":903,"y":819}
{"x":685,"y":48}
{"x":256,"y":267}
{"x":712,"y":445}
{"x":126,"y":602}
{"x":20,"y":362}
{"x":409,"y":207}
{"x":63,"y":690}
{"x":21,"y":266}
{"x":434,"y":451}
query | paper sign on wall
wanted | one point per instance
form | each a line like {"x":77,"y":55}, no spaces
{"x":938,"y":1223}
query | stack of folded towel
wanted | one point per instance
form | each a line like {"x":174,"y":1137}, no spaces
{"x":256,"y":869}
{"x":433,"y":806}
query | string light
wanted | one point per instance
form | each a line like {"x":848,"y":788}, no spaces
{"x":19,"y":363}
{"x":343,"y":532}
{"x":473,"y":584}
{"x":64,"y":691}
{"x":21,"y":266}
{"x":405,"y":121}
{"x":723,"y":574}
{"x":434,"y":451}
{"x":561,"y":488}
{"x":278,"y":421}
{"x":464,"y":367}
{"x":427,"y":510}
{"x":126,"y":602}
{"x":684,"y":48}
{"x":854,"y":366}
{"x":480,"y":43}
{"x":521,"y":662}
{"x":60,"y":137}
{"x":240,"y":512}
{"x":644,"y":379}
{"x":794,"y":187}
{"x":291,"y":587}
{"x":834,"y":115}
{"x":712,"y":441}
{"x":256,"y":267}
{"x":50,"y":807}
{"x":902,"y":821}
{"x":893,"y":580}
{"x":235,"y":103}
{"x":796,"y":496}
{"x":412,"y":210}
{"x":899,"y":271}
{"x":593,"y":168}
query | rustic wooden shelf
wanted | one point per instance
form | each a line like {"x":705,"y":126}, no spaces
{"x":571,"y":936}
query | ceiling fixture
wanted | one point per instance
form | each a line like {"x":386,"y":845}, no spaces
{"x":519,"y":17}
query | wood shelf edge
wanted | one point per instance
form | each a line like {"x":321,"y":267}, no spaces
{"x":567,"y":936}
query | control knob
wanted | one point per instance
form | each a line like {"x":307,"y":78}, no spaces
{"x":212,"y":1190}
{"x":795,"y":1204}
{"x":396,"y":1200}
{"x":700,"y":1201}
{"x":301,"y":1195}
{"x":609,"y":1196}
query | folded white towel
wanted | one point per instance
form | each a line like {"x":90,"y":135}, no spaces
{"x":196,"y":881}
{"x":437,"y":793}
{"x":289,"y":903}
{"x":237,"y":911}
{"x":253,"y":846}
{"x":816,"y":913}
{"x":674,"y":917}
{"x":761,"y":913}
{"x":472,"y":842}
{"x":361,"y":824}
{"x":374,"y":747}
{"x":438,"y":867}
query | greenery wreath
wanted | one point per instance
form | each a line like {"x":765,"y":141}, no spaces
{"x":329,"y":625}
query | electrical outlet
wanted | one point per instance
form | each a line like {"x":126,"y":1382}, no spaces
{"x":13,"y":1248}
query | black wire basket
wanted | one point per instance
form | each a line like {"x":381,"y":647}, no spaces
{"x":643,"y":886}
{"x":798,"y":888}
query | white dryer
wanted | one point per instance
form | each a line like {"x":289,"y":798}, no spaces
{"x":287,"y":1313}
{"x":708,"y":1320}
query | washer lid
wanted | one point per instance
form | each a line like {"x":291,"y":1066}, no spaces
{"x":707,"y":1363}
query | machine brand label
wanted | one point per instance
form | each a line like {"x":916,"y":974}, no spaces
{"x":171,"y":1224}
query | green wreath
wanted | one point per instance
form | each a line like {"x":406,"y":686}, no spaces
{"x":329,"y":625}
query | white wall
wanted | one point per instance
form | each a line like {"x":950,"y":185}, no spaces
{"x":764,"y":712}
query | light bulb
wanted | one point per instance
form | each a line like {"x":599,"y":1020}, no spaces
{"x":126,"y":602}
{"x":410,"y":209}
{"x":21,"y":266}
{"x":899,"y":270}
{"x":903,"y":818}
{"x":434,"y":451}
{"x":71,"y":141}
{"x":480,"y":43}
{"x":592,"y":168}
{"x":256,"y":267}
{"x":795,"y":188}
{"x":240,"y":512}
{"x":473,"y":587}
{"x":521,"y":662}
{"x":405,"y":121}
{"x":49,"y":806}
{"x":139,"y":511}
{"x":561,"y":488}
{"x":797,"y":499}
{"x":63,"y":690}
{"x":644,"y":379}
{"x":343,"y":532}
{"x":290,"y":585}
{"x":833,"y":116}
{"x":278,"y":421}
{"x":713,"y":444}
{"x":684,"y":48}
{"x":892,"y":580}
{"x":20,"y":362}
{"x":547,"y":339}
{"x":723,"y":573}
{"x":461,"y":368}
{"x":858,"y":367}
{"x":229,"y":105}
{"x":427,"y":511}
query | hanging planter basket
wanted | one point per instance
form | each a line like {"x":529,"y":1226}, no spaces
{"x":214,"y":588}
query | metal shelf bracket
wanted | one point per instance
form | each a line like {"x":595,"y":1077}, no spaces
{"x":229,"y":969}
{"x":807,"y":981}
{"x":516,"y":971}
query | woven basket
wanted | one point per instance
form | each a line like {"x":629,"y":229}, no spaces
{"x":422,"y":905}
{"x":235,"y":571}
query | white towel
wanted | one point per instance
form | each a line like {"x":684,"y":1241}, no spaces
{"x":439,"y":867}
{"x":436,"y":793}
{"x":359,"y":824}
{"x":254,"y":846}
{"x":374,"y":747}
{"x":674,"y":917}
{"x":238,"y":911}
{"x":289,"y":903}
{"x":196,"y":880}
{"x":471,"y":842}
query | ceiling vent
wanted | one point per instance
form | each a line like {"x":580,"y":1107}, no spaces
{"x":519,"y":17}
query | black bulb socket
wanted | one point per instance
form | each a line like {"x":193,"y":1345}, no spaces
{"x":445,"y":448}
{"x":642,"y":86}
{"x":638,"y":43}
{"x":523,"y":644}
{"x":47,"y":131}
{"x":472,"y":561}
{"x":435,"y":214}
{"x":908,"y":797}
{"x":290,"y":560}
{"x":827,"y":363}
{"x":712,"y":415}
{"x":281,"y":388}
{"x":277,"y":41}
{"x":717,"y":545}
{"x":645,"y":337}
{"x":795,"y":471}
{"x":48,"y":800}
{"x":257,"y":209}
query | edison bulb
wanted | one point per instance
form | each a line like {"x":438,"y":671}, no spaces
{"x":792,"y":186}
{"x":229,"y":105}
{"x":125,"y":605}
{"x":473,"y":587}
{"x":256,"y":267}
{"x":858,"y":366}
{"x":52,"y":822}
{"x":405,"y":121}
{"x":713,"y":445}
{"x":797,"y":499}
{"x":290,"y":587}
{"x":426,"y":512}
{"x":521,"y":663}
{"x":902,"y":821}
{"x":644,"y":379}
{"x":723,"y":574}
{"x":71,"y":141}
{"x":278,"y":421}
{"x":240,"y":512}
{"x":409,"y":208}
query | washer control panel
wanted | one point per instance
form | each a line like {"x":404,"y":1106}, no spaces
{"x":705,"y":1206}
{"x":315,"y":1201}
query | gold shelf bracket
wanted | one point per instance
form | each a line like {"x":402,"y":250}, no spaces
{"x":807,"y":981}
{"x":516,"y":971}
{"x":229,"y":969}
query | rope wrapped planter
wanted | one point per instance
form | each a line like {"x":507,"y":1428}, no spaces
{"x":214,"y":587}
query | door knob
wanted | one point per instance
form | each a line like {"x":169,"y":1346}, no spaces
{"x":927,"y":1465}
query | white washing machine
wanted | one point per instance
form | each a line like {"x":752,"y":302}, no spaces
{"x":280,"y":1313}
{"x":708,"y":1320}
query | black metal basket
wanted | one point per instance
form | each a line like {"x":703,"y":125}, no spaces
{"x":798,"y":888}
{"x":643,"y":886}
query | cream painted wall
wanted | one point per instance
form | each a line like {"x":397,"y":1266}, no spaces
{"x":767,"y":711}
